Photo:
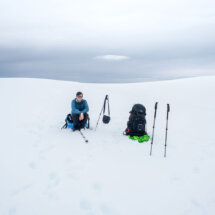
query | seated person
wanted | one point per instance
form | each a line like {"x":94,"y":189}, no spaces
{"x":79,"y":111}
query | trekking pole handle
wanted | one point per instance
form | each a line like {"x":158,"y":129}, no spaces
{"x":156,"y":105}
{"x":168,"y":108}
{"x":167,"y":115}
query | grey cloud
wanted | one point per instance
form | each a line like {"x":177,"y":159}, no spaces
{"x":79,"y":65}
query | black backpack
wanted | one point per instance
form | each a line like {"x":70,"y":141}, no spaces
{"x":136,"y":125}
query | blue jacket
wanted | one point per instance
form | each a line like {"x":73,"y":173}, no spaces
{"x":81,"y":107}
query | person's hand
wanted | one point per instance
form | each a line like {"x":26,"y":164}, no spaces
{"x":81,"y":117}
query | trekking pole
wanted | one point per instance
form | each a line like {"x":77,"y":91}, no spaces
{"x":86,"y":140}
{"x":103,"y":107}
{"x":156,"y":105}
{"x":99,"y":117}
{"x":167,"y":116}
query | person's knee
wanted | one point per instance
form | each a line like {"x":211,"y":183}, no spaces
{"x":75,"y":118}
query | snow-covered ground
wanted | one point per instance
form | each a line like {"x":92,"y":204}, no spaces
{"x":48,"y":171}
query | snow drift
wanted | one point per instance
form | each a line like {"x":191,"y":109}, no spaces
{"x":45,"y":170}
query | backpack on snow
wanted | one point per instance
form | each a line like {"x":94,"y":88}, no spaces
{"x":69,"y":122}
{"x":136,"y":125}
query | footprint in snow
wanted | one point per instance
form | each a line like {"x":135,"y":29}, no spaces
{"x":97,"y":187}
{"x":12,"y":211}
{"x":54,"y":180}
{"x":196,"y":170}
{"x":85,"y":206}
{"x":199,"y":206}
{"x":32,"y":165}
{"x":52,"y":175}
{"x":105,"y":209}
{"x":20,"y":190}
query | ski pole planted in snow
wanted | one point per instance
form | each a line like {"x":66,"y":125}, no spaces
{"x":99,"y":118}
{"x":167,"y":117}
{"x":86,"y":141}
{"x":156,"y":105}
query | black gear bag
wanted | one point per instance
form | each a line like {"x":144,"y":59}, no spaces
{"x":136,"y":125}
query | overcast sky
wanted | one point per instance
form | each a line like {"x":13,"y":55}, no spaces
{"x":107,"y":40}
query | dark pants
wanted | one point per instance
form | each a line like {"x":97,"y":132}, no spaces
{"x":75,"y":118}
